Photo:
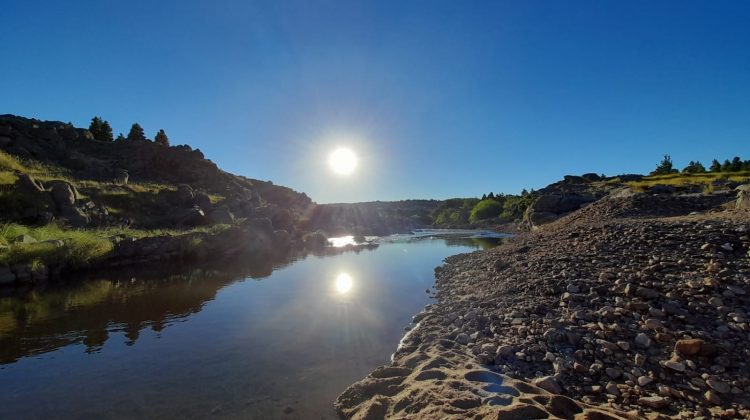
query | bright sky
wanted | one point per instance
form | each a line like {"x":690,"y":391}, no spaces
{"x":437,"y":98}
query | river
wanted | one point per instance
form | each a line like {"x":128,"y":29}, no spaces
{"x":209,"y":343}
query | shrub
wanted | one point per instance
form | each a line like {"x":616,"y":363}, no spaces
{"x":485,"y":209}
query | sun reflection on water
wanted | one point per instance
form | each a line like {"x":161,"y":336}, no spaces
{"x":344,"y":283}
{"x":340,"y":241}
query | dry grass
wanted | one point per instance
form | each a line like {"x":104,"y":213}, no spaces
{"x":679,"y":180}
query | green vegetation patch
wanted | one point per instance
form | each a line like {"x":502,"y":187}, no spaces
{"x":684,"y":179}
{"x":485,"y":209}
{"x":55,"y":245}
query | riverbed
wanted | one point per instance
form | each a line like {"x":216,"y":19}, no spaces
{"x":209,"y":343}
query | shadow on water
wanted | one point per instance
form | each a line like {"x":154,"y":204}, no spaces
{"x":88,"y":308}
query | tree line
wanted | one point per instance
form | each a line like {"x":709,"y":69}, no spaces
{"x":102,"y":131}
{"x":666,"y":166}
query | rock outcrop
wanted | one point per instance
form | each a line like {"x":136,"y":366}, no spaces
{"x":550,"y":207}
{"x":743,"y":197}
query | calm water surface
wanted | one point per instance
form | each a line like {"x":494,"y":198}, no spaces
{"x":213,"y":344}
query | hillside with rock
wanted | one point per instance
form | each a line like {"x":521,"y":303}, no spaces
{"x":631,"y":307}
{"x":79,"y":203}
{"x":185,"y":183}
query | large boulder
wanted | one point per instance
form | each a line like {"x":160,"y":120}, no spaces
{"x":185,"y":194}
{"x":120,"y":177}
{"x":63,"y":194}
{"x":220,"y":215}
{"x":193,"y":216}
{"x":202,"y":200}
{"x":743,"y":197}
{"x":26,"y":184}
{"x":558,"y":203}
{"x":74,"y":217}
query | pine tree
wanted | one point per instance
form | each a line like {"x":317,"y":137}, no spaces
{"x":106,"y":132}
{"x":694,"y":168}
{"x":664,"y":167}
{"x":726,"y":166}
{"x":136,"y":133}
{"x":96,"y":127}
{"x":120,"y":137}
{"x":491,"y":196}
{"x":715,"y":166}
{"x":161,"y":138}
{"x":736,"y":165}
{"x":484,"y":196}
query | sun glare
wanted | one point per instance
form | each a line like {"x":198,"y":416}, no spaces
{"x":344,"y":283}
{"x":342,"y":161}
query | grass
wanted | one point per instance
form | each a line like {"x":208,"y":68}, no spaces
{"x":679,"y":180}
{"x":81,"y":246}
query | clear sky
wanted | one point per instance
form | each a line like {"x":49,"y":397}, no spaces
{"x":438,"y":98}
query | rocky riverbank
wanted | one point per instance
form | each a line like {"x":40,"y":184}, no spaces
{"x":632,"y":307}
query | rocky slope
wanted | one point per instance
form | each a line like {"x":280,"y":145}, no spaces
{"x":58,"y":180}
{"x":96,"y":169}
{"x":636,"y":305}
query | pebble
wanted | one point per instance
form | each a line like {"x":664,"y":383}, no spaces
{"x":548,"y":383}
{"x":653,"y":402}
{"x":718,"y":386}
{"x":688,"y":347}
{"x":674,"y":365}
{"x":613,"y":373}
{"x":611,"y":388}
{"x":646,"y":293}
{"x":652,"y":323}
{"x":644,"y":380}
{"x":712,"y":397}
{"x":642,"y":340}
{"x":572,"y":288}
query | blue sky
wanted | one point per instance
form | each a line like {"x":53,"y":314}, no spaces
{"x":439,"y":98}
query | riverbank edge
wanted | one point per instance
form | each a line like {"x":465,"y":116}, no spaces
{"x":429,"y":360}
{"x":251,"y":241}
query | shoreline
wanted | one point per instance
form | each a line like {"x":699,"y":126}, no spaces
{"x":604,"y":311}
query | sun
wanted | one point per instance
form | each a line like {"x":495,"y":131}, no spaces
{"x":344,"y":283}
{"x":343,"y":161}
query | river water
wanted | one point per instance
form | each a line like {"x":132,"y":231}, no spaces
{"x":208,"y":343}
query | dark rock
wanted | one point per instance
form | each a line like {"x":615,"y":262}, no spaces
{"x":193,"y":216}
{"x":74,"y":217}
{"x":63,"y":193}
{"x":120,"y":177}
{"x":27,"y":185}
{"x":202,"y":200}
{"x":220,"y":215}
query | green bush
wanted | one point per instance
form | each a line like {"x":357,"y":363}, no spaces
{"x":485,"y":209}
